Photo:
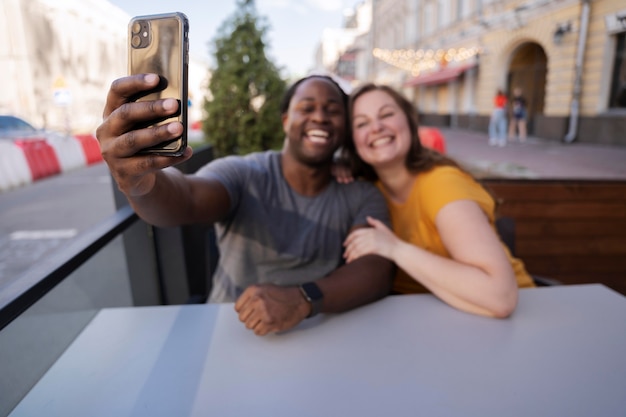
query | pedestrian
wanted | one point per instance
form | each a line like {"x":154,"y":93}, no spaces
{"x":280,"y":216}
{"x":497,"y":122}
{"x":444,"y":240}
{"x":518,"y":116}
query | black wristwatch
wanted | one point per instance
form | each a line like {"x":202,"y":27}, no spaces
{"x":312,"y":293}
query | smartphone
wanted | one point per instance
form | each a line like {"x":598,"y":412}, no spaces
{"x":160,"y":44}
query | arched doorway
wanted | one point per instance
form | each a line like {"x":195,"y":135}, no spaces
{"x":528,"y":70}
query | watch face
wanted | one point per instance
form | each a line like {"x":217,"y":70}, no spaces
{"x":312,"y":291}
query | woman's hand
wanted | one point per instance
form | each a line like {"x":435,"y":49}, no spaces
{"x":341,"y":172}
{"x":375,"y":240}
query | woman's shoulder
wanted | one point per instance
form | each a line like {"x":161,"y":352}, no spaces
{"x":444,"y":180}
{"x":442,"y":173}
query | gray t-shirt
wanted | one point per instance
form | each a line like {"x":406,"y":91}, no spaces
{"x":272,"y":234}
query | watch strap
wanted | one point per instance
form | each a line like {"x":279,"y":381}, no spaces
{"x":313,"y":295}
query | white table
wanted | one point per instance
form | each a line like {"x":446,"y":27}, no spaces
{"x":563,"y":353}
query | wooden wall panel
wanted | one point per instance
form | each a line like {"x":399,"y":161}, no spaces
{"x":570,"y":230}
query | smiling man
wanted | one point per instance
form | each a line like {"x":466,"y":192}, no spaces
{"x":280,"y":217}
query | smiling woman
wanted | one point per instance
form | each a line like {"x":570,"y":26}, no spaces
{"x":443,"y":219}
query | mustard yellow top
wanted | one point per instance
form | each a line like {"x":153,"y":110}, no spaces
{"x":414,"y":220}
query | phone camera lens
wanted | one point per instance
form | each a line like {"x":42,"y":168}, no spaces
{"x":140,"y":34}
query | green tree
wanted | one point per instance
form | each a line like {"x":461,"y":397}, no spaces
{"x":243,"y":114}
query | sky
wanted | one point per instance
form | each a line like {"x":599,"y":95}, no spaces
{"x":295,"y":26}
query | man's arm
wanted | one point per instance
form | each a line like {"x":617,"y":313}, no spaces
{"x":363,"y":281}
{"x":268,"y":308}
{"x":163,"y":197}
{"x":178,"y":199}
{"x":371,"y":278}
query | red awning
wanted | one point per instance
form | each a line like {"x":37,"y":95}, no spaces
{"x":439,"y":77}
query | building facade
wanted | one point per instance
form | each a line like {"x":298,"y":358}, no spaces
{"x":450,"y":56}
{"x":58,"y":59}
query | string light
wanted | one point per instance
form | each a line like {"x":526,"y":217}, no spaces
{"x":417,"y":61}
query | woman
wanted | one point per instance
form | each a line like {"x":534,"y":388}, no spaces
{"x":518,"y":115}
{"x":445,"y":240}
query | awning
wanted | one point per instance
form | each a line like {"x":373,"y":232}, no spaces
{"x":439,"y":77}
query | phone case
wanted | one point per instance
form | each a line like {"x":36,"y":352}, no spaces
{"x":160,"y":44}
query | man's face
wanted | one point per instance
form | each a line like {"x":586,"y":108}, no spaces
{"x":315,"y":123}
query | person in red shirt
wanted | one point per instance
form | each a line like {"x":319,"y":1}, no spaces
{"x":498,"y":122}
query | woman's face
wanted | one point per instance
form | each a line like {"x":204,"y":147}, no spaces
{"x":381,"y":132}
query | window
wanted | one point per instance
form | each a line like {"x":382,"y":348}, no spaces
{"x":463,"y":9}
{"x":444,"y":17}
{"x":618,"y":80}
{"x":429,"y":14}
{"x":411,"y":23}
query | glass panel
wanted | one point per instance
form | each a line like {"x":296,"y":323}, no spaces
{"x":38,"y":220}
{"x":34,"y":341}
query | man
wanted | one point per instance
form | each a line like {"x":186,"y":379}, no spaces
{"x":281,"y":217}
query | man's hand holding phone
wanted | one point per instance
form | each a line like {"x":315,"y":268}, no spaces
{"x":159,"y":44}
{"x":122,"y":140}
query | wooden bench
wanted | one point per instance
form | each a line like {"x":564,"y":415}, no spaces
{"x":571,"y":230}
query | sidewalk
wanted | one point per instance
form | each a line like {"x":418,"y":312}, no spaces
{"x":536,"y":158}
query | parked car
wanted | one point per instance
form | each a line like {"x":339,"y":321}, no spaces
{"x":12,"y":127}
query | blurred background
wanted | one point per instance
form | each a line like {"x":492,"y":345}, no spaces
{"x":58,"y":58}
{"x":564,"y":186}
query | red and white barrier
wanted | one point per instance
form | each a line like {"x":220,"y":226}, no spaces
{"x":91,"y":148}
{"x":40,"y":156}
{"x":68,"y":151}
{"x":14,"y":170}
{"x":25,"y":160}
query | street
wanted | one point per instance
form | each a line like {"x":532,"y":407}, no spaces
{"x":536,"y":158}
{"x":38,"y":218}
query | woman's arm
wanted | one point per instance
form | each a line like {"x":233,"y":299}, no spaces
{"x":477,"y":279}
